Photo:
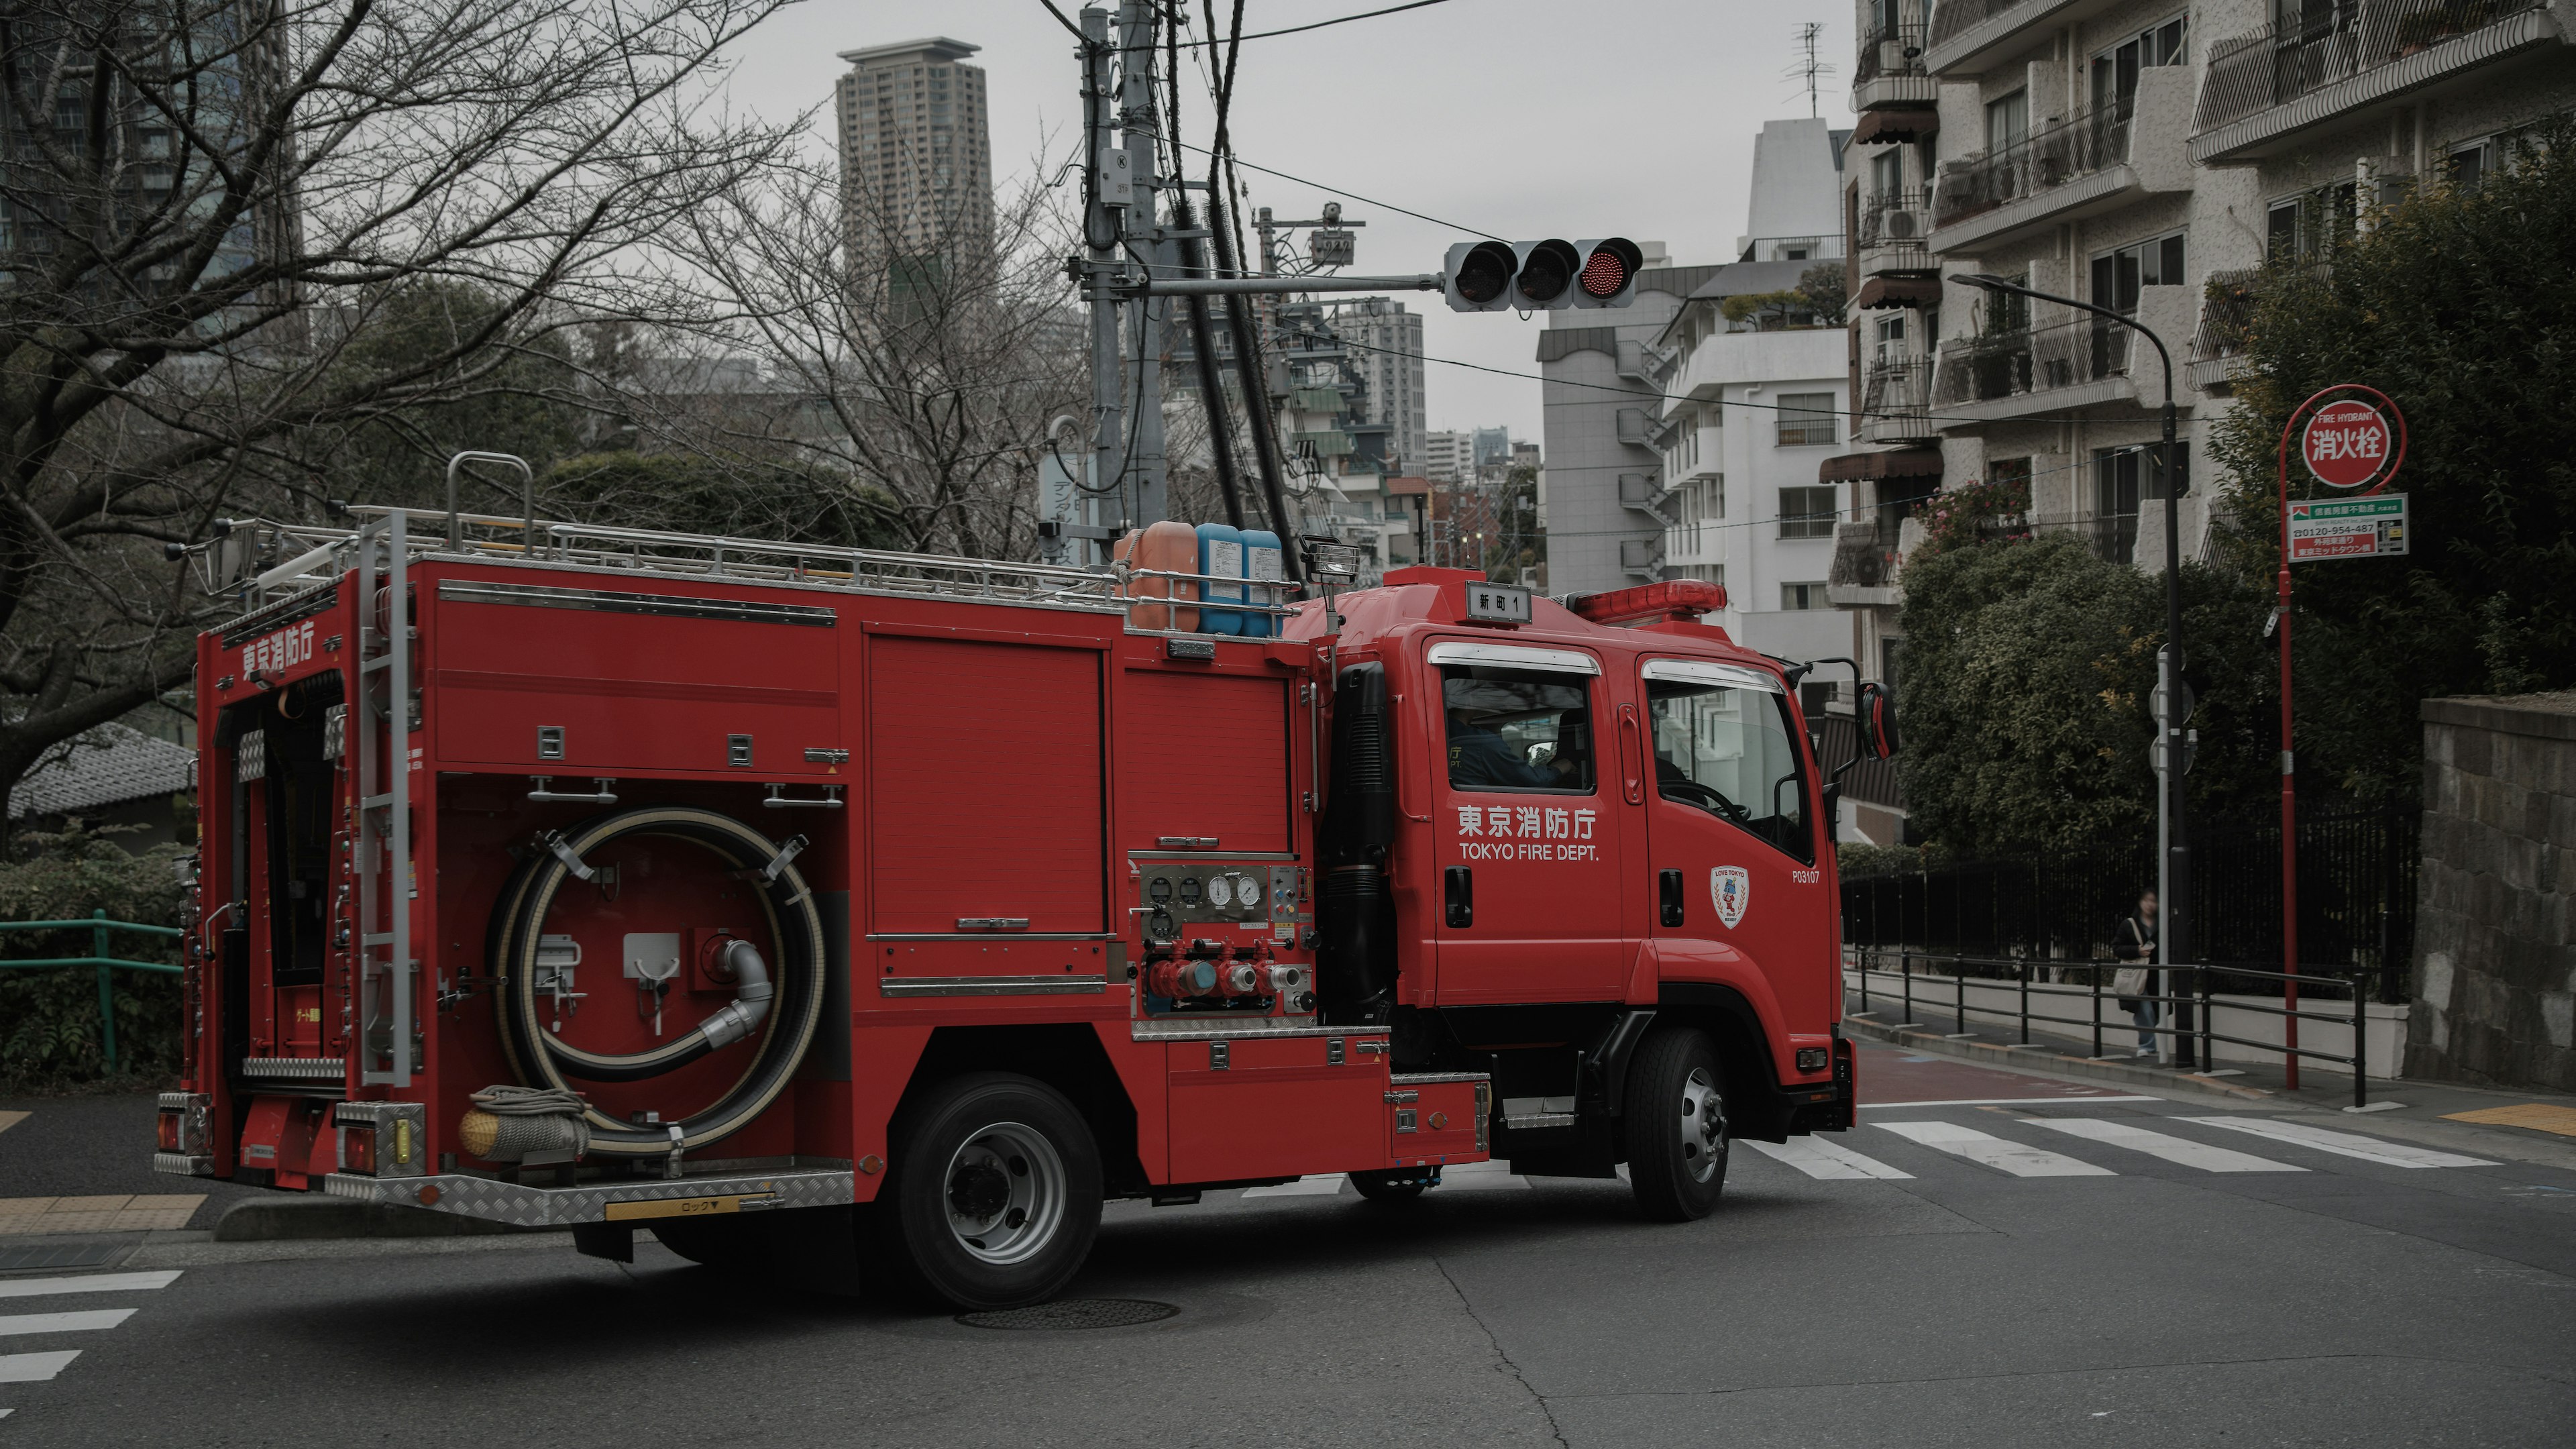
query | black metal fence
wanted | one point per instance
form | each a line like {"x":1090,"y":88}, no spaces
{"x":2356,"y":899}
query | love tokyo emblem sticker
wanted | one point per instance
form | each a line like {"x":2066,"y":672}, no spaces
{"x":1730,"y":888}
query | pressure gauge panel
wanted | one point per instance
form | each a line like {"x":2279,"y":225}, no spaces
{"x":1212,"y":893}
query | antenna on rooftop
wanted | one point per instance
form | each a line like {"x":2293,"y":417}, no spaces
{"x":1808,"y":69}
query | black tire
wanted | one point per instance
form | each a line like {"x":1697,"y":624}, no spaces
{"x":994,"y":1195}
{"x":1675,"y":1125}
{"x":1390,"y":1184}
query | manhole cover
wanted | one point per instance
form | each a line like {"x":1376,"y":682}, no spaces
{"x":1070,"y":1313}
{"x":58,"y":1255}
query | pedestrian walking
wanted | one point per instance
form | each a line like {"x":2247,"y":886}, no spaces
{"x":2135,"y":986}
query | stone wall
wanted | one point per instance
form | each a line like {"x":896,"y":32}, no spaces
{"x":2495,"y":973}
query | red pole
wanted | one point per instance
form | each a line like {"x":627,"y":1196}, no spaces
{"x":2289,"y":792}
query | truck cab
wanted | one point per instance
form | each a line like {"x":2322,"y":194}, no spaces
{"x":1556,"y":833}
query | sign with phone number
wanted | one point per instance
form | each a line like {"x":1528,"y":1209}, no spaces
{"x":2371,"y":527}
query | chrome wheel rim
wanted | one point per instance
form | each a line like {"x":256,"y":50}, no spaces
{"x":1703,"y":1126}
{"x":1004,"y":1193}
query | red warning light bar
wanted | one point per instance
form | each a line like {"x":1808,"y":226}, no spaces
{"x":1677,"y":599}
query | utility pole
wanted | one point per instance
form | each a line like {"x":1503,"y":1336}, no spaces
{"x":1110,"y":192}
{"x":1139,"y":121}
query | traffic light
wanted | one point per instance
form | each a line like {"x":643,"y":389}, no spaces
{"x":1541,"y":276}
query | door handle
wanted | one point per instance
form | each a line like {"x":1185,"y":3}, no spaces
{"x":1668,"y":886}
{"x":1628,"y":752}
{"x":1459,"y":895}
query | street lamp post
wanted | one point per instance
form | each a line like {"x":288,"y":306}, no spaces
{"x":2173,"y":887}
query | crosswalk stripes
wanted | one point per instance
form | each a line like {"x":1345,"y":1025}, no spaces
{"x":2345,"y":1144}
{"x":32,"y":1368}
{"x":81,"y":1322}
{"x":1830,"y":1161}
{"x":2158,"y":1144}
{"x":1992,"y":1151}
{"x":86,"y":1283}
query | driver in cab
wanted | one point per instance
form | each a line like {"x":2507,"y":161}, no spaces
{"x":1480,"y":756}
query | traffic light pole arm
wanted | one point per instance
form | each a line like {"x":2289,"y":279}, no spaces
{"x":1246,"y":286}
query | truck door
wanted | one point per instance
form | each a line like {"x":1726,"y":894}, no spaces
{"x":1730,"y":829}
{"x":1527,"y":900}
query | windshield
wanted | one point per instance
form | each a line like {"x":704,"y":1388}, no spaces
{"x":1731,"y":753}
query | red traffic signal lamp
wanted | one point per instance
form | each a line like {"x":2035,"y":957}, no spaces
{"x":1541,"y":276}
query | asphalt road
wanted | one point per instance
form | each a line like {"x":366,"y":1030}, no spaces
{"x":2016,"y":1283}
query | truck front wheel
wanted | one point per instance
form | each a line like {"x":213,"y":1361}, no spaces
{"x":996,"y":1192}
{"x":1676,"y":1125}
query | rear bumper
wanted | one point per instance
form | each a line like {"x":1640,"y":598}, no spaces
{"x":641,"y":1199}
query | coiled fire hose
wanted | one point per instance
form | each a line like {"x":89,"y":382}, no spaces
{"x":510,"y":1123}
{"x":783,"y":1013}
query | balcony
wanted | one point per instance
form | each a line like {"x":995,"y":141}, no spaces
{"x":2226,"y":319}
{"x":1896,"y":402}
{"x":2064,"y":169}
{"x":1971,"y":37}
{"x":1889,"y":71}
{"x":1791,"y":249}
{"x":1863,"y":573}
{"x":2268,"y":90}
{"x":2035,"y":372}
{"x":1893,"y":233}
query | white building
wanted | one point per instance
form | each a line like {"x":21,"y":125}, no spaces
{"x":1754,"y":403}
{"x":1448,"y":457}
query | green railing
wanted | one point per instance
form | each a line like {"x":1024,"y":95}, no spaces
{"x":98,"y":926}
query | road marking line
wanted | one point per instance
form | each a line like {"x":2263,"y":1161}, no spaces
{"x":2347,"y":1144}
{"x":2006,"y":1102}
{"x":1302,"y":1187}
{"x":34,"y":1368}
{"x":2157,"y":1144}
{"x":87,"y":1283}
{"x":79,"y":1322}
{"x":1994,"y":1152}
{"x":7,"y":1121}
{"x":2538,"y":1116}
{"x":1825,"y":1160}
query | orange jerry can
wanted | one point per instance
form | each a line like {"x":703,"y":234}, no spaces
{"x":1172,"y":548}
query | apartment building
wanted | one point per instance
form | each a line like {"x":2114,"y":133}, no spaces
{"x":916,"y":155}
{"x":1385,"y":346}
{"x":2141,"y":155}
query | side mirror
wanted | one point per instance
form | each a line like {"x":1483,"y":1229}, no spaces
{"x":1877,"y":716}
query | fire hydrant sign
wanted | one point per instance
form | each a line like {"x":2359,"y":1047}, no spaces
{"x":2346,"y":444}
{"x":2370,"y":527}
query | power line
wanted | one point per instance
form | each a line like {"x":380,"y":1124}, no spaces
{"x":1317,"y":25}
{"x":1234,"y":160}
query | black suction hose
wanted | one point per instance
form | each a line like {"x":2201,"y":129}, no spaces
{"x":783,"y":1012}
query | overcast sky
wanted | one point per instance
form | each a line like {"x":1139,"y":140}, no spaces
{"x":1519,"y":117}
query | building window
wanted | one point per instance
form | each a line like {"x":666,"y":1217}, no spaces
{"x":1802,"y":596}
{"x":2115,"y":71}
{"x":2007,"y":122}
{"x":2468,"y":165}
{"x":1891,"y":339}
{"x":2122,"y":479}
{"x":2117,"y":275}
{"x":2311,"y":224}
{"x":1806,"y":419}
{"x":1887,"y":175}
{"x":1807,"y":512}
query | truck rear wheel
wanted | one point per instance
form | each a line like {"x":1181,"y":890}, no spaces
{"x":995,"y":1194}
{"x":1676,"y":1125}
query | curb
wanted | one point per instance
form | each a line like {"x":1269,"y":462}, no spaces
{"x":2049,"y":1059}
{"x":306,"y":1219}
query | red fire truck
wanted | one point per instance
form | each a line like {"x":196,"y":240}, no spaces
{"x":808,"y":903}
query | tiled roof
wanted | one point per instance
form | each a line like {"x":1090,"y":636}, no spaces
{"x":110,"y":764}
